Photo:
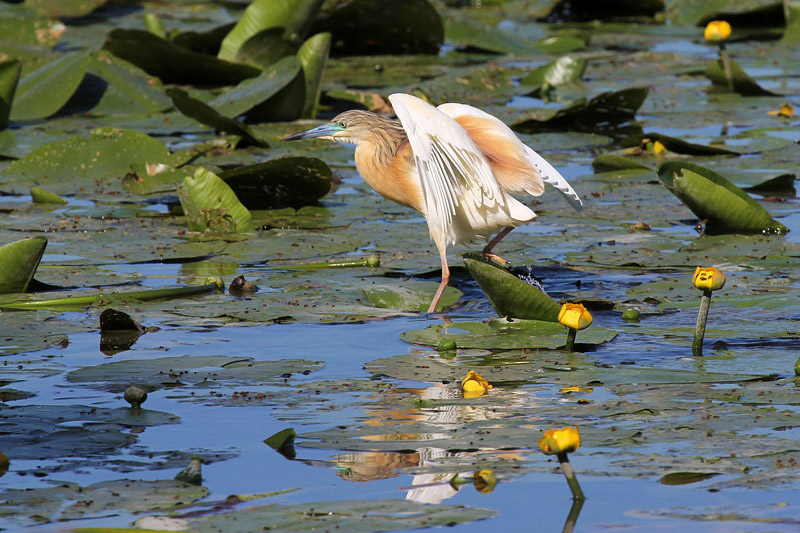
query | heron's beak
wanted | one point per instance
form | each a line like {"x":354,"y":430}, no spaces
{"x":326,"y":130}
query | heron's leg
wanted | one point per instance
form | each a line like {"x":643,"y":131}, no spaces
{"x":443,"y":284}
{"x":487,"y":250}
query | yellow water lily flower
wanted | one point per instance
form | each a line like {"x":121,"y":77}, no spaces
{"x":557,"y":441}
{"x":474,"y":385}
{"x":575,"y":316}
{"x":717,"y":31}
{"x":708,"y":278}
{"x":484,"y":481}
{"x":786,"y":110}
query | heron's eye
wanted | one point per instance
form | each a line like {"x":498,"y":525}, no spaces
{"x":343,"y":124}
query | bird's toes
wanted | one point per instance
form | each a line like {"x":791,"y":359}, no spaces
{"x":496,"y":259}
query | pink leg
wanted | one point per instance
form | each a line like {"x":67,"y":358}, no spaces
{"x":443,"y":284}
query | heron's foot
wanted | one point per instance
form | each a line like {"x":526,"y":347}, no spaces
{"x":495,"y":258}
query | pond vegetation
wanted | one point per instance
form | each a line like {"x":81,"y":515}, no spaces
{"x":205,"y":329}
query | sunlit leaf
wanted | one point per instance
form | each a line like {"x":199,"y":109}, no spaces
{"x":210,"y":205}
{"x":415,"y":297}
{"x":312,"y":55}
{"x":509,"y":295}
{"x":711,"y":197}
{"x":45,"y":90}
{"x":21,"y":25}
{"x":9,"y":77}
{"x":563,"y":70}
{"x":43,"y":196}
{"x":18,"y":263}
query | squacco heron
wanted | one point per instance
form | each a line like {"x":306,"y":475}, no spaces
{"x":455,"y":164}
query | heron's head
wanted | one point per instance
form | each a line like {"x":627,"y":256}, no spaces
{"x":352,"y":127}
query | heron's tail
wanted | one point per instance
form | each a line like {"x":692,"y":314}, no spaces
{"x":553,"y":177}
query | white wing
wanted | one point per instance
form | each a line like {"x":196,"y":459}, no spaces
{"x":542,"y":169}
{"x":553,"y":177}
{"x":452,"y":168}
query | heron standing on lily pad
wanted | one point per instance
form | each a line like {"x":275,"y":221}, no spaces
{"x":455,"y":164}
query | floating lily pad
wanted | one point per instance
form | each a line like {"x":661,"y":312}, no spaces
{"x":70,"y":501}
{"x":64,"y":8}
{"x":410,"y":296}
{"x":505,"y":335}
{"x":21,"y":25}
{"x":711,"y":197}
{"x":611,"y":162}
{"x":197,"y":370}
{"x":464,"y":31}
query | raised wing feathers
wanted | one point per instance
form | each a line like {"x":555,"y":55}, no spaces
{"x":517,"y":168}
{"x":452,"y":168}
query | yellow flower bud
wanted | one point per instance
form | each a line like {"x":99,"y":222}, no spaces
{"x":658,"y":148}
{"x":484,"y":481}
{"x":565,"y":440}
{"x":717,"y":31}
{"x":474,"y":385}
{"x":574,"y":316}
{"x":786,"y":111}
{"x":708,"y":278}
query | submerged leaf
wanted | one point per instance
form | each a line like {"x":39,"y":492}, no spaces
{"x":210,"y":205}
{"x":711,"y":197}
{"x":18,"y":263}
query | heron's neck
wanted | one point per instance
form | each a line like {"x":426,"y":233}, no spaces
{"x":381,"y":142}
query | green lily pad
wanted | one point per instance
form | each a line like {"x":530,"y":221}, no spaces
{"x":205,"y":114}
{"x":610,"y":107}
{"x":560,"y":44}
{"x":312,"y":55}
{"x":45,"y":90}
{"x":18,"y":263}
{"x":64,"y":8}
{"x":505,"y":335}
{"x":780,"y":185}
{"x":510,"y":296}
{"x":173,"y":63}
{"x":465,"y":31}
{"x":282,"y":182}
{"x":711,"y":197}
{"x":255,"y":97}
{"x":69,"y":501}
{"x":43,"y":196}
{"x":357,"y":516}
{"x":9,"y":77}
{"x":410,"y":296}
{"x":210,"y":205}
{"x":191,"y":371}
{"x":612,"y":162}
{"x":107,"y":153}
{"x":21,"y":25}
{"x":742,"y":83}
{"x":377,"y":27}
{"x":133,"y":88}
{"x":563,"y":70}
{"x":677,"y":146}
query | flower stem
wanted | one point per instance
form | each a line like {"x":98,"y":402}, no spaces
{"x":569,"y":473}
{"x":570,"y":345}
{"x":572,"y":517}
{"x":700,"y":328}
{"x":726,"y":65}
